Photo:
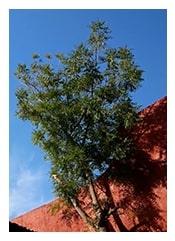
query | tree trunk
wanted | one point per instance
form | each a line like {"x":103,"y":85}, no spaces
{"x":103,"y":229}
{"x":99,"y":226}
{"x":116,"y":216}
{"x":82,"y":213}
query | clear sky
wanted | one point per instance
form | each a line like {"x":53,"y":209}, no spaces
{"x":52,"y":31}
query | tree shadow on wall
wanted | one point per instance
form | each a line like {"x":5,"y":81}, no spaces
{"x":152,"y":130}
{"x":138,"y":179}
{"x":140,"y":174}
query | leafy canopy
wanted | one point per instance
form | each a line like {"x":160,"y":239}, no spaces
{"x":82,"y":110}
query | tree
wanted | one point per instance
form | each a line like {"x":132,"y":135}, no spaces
{"x":83,"y":113}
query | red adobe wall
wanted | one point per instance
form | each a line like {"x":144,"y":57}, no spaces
{"x":152,"y":132}
{"x":151,"y":138}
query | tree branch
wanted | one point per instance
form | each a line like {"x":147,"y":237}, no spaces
{"x":111,"y":211}
{"x":135,"y":227}
{"x":93,"y":195}
{"x":77,"y":207}
{"x":82,"y":213}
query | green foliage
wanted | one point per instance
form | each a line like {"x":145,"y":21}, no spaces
{"x":83,"y":111}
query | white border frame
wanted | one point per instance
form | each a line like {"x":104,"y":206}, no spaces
{"x":4,"y":102}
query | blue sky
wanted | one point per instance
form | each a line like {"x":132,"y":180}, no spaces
{"x":52,"y":31}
